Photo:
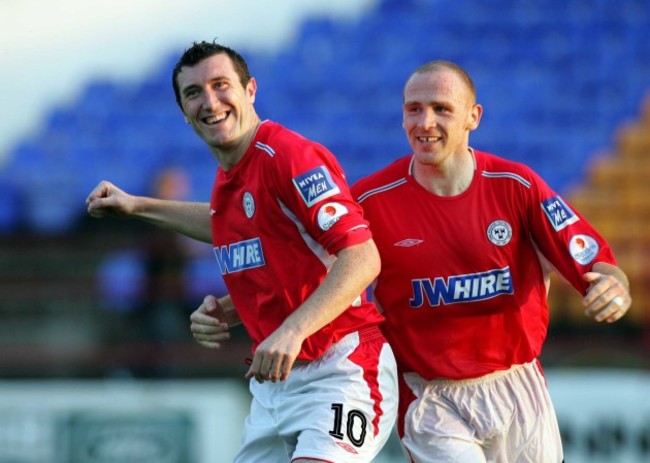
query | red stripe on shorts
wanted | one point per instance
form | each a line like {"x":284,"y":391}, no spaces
{"x":367,"y":356}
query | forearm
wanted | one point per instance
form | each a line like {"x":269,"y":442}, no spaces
{"x":188,"y":218}
{"x":353,"y":271}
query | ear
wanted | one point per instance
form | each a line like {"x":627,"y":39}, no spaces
{"x":251,"y":89}
{"x":474,"y":117}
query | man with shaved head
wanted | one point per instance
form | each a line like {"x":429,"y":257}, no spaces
{"x":467,"y":241}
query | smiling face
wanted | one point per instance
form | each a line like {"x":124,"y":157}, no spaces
{"x":439,"y":111}
{"x":217,"y":105}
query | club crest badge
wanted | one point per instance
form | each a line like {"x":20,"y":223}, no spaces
{"x":249,"y":204}
{"x":499,"y":232}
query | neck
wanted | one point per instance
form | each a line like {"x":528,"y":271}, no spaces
{"x":449,"y":179}
{"x":229,"y":156}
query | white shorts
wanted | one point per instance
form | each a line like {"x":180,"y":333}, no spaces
{"x":503,"y":417}
{"x":339,"y":408}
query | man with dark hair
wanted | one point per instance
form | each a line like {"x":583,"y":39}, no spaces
{"x":296,"y":256}
{"x":198,"y":52}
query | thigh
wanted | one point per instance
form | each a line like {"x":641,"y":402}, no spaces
{"x":261,"y":441}
{"x":443,"y":450}
{"x":533,"y":435}
{"x":506,"y":417}
{"x":343,"y":407}
{"x":434,"y":432}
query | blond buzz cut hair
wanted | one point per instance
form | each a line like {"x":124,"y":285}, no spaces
{"x":439,"y":65}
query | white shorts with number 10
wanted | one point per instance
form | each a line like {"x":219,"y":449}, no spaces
{"x":339,"y":408}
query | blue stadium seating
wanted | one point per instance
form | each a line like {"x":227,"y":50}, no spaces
{"x":555,"y":79}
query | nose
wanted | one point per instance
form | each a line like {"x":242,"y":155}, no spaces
{"x":210,"y":99}
{"x":427,"y":119}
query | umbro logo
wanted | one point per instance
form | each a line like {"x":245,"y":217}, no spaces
{"x":347,"y":447}
{"x":213,"y":212}
{"x":408,"y":242}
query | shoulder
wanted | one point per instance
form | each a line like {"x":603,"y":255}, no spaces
{"x":501,"y":170}
{"x":296,"y":161}
{"x":383,"y":180}
{"x":281,"y":141}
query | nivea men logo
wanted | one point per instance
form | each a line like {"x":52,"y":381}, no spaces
{"x":461,"y":288}
{"x":559,"y":213}
{"x":315,"y":185}
{"x":240,"y":256}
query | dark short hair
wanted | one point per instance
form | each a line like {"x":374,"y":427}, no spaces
{"x":438,"y":65}
{"x":202,"y":50}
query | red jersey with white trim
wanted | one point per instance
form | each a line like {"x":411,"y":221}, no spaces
{"x":462,"y":286}
{"x":278,"y":218}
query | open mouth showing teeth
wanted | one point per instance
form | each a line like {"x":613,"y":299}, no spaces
{"x":212,"y":120}
{"x":428,"y":139}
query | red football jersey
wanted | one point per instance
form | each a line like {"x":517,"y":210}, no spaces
{"x":462,"y":286}
{"x":278,"y":219}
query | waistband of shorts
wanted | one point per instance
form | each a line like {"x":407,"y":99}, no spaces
{"x":361,"y":336}
{"x":364,"y":335}
{"x":370,"y":333}
{"x":356,"y":337}
{"x":481,"y":379}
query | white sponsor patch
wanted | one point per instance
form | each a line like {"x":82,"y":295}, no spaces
{"x":329,"y":214}
{"x":583,"y":248}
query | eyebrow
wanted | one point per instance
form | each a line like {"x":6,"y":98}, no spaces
{"x":428,"y":103}
{"x":213,"y":80}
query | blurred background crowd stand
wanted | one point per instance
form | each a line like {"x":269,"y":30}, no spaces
{"x":563,"y":87}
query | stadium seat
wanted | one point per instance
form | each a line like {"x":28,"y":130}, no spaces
{"x":555,"y":80}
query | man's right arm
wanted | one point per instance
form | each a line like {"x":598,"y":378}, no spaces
{"x":191,"y":219}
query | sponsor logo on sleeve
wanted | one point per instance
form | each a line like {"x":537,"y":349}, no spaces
{"x":316,"y":185}
{"x":559,"y":213}
{"x":499,"y":232}
{"x":329,"y":214}
{"x":583,"y":248}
